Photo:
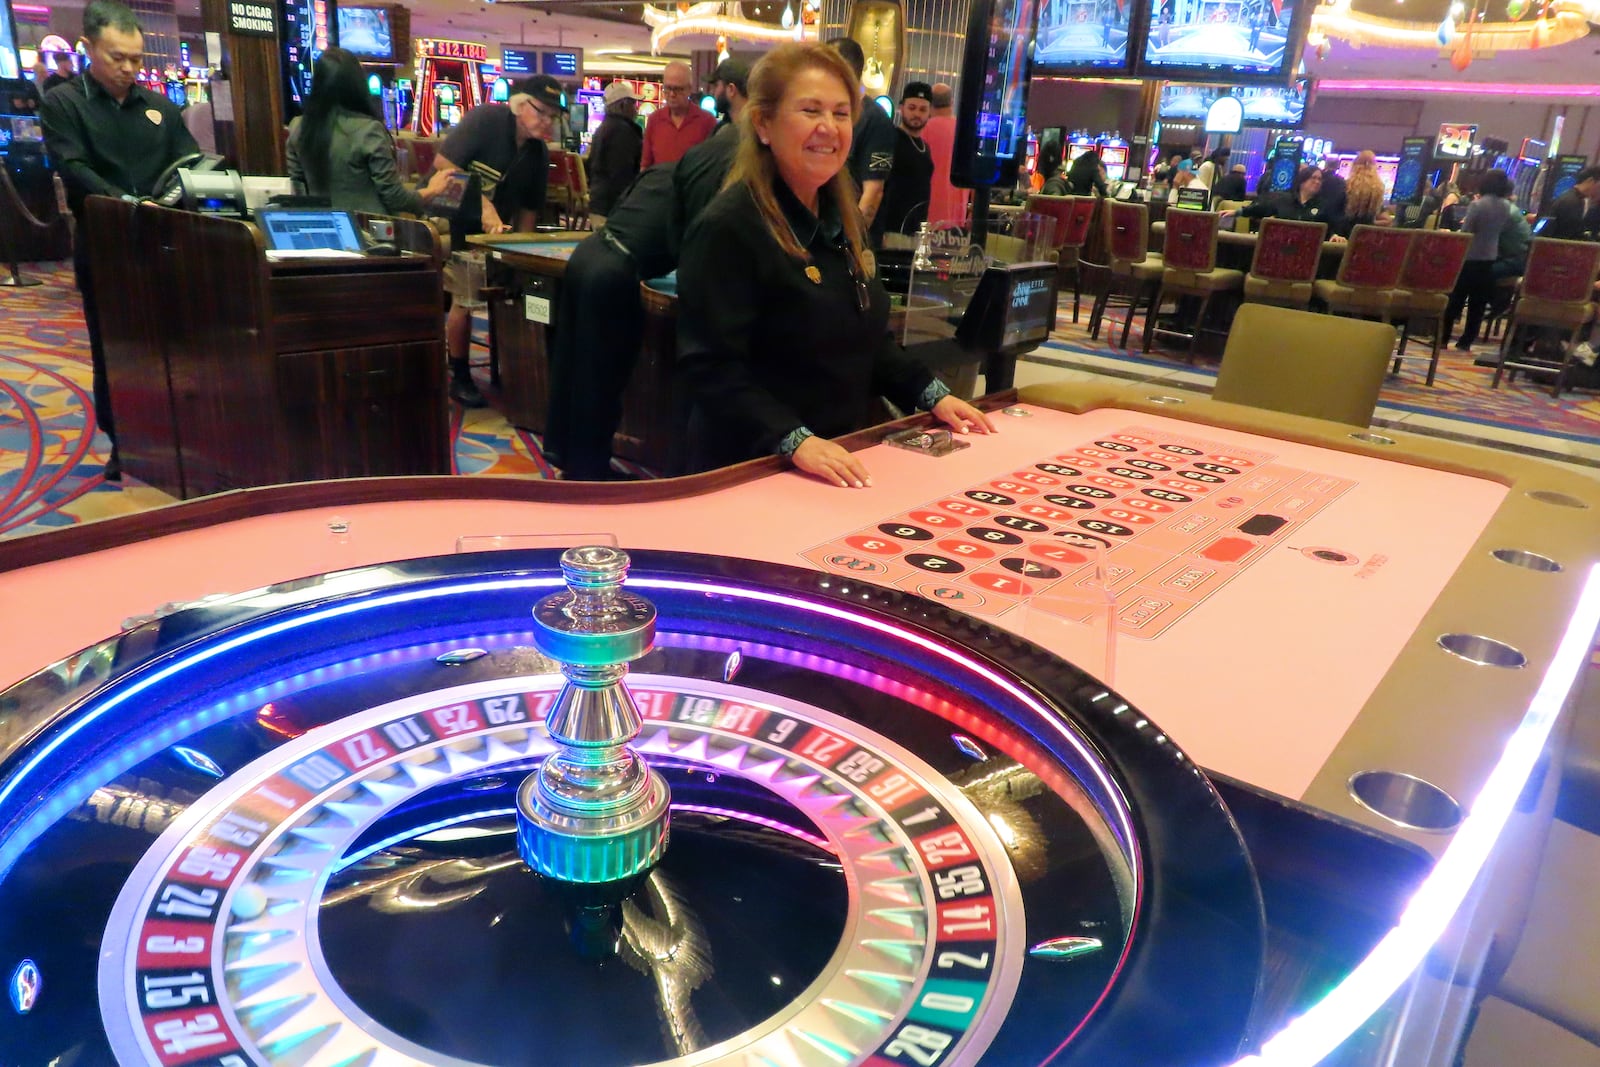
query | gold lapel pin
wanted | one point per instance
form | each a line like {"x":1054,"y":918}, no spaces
{"x":815,"y":275}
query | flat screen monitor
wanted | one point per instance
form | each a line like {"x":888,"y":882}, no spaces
{"x":991,"y":126}
{"x":1416,"y":154}
{"x":1224,"y":40}
{"x":1115,"y":157}
{"x":1010,"y":312}
{"x":308,"y":229}
{"x":519,"y":62}
{"x":10,"y":61}
{"x":1276,"y":106}
{"x":1455,"y":140}
{"x":560,"y":64}
{"x":1083,"y":37}
{"x":366,"y":32}
{"x":1196,"y":199}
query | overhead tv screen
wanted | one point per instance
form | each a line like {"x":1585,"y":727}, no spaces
{"x":365,"y":31}
{"x":991,"y":124}
{"x":1277,"y":106}
{"x":1077,"y":36}
{"x":1223,"y":39}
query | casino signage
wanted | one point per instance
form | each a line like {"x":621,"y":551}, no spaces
{"x":470,"y":51}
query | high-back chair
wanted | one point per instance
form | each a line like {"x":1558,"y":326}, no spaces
{"x":1557,"y":293}
{"x":1303,"y":363}
{"x":1285,"y":263}
{"x":1369,"y":274}
{"x":1189,"y":268}
{"x":1135,"y":271}
{"x":1074,"y":215}
{"x":1426,"y":281}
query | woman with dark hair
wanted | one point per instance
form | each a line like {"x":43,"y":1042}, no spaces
{"x":1087,"y":175}
{"x":1487,"y":216}
{"x":1215,"y":166}
{"x":783,"y":326}
{"x":1302,"y":203}
{"x":338,"y":147}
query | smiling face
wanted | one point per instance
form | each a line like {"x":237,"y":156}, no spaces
{"x":810,"y":132}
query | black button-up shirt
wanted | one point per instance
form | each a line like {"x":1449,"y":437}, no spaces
{"x":104,"y":147}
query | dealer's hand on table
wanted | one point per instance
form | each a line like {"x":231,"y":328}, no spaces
{"x":961,"y":416}
{"x":832,"y":463}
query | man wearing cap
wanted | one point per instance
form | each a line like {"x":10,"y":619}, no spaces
{"x":905,"y":197}
{"x":671,"y":131}
{"x":614,"y":152}
{"x":501,"y":148}
{"x":946,"y":203}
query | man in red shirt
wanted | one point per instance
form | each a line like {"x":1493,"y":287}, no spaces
{"x":671,"y":131}
{"x":946,"y":203}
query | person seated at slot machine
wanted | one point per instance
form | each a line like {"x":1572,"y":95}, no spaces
{"x":1570,"y":214}
{"x":1055,"y":182}
{"x":783,"y":336}
{"x":1232,"y":185}
{"x":1087,"y":175}
{"x":1363,"y":197}
{"x":338,"y":146}
{"x":109,"y":136}
{"x":500,"y":148}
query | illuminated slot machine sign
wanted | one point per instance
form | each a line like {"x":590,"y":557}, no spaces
{"x":304,"y":36}
{"x":991,"y":128}
{"x":450,"y":82}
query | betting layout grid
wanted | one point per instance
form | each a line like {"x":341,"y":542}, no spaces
{"x":1161,"y":520}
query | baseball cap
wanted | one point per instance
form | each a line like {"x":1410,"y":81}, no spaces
{"x":917,"y":91}
{"x":543,"y":88}
{"x":618,"y":90}
{"x":734,"y":72}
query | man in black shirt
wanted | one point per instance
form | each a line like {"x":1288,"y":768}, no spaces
{"x":905,"y":198}
{"x":1568,"y":212}
{"x":108,"y":136}
{"x":599,"y":320}
{"x":61,"y":71}
{"x":614,"y":153}
{"x":871,"y":143}
{"x":501,"y":148}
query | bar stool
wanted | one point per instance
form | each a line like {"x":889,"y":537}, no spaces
{"x":1190,"y":269}
{"x":1426,"y":282}
{"x":1557,"y":293}
{"x":1134,"y":270}
{"x":1074,"y":217}
{"x":1367,"y":278}
{"x":1285,"y":263}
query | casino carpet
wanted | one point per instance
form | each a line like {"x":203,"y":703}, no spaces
{"x":51,"y":460}
{"x":1460,"y":390}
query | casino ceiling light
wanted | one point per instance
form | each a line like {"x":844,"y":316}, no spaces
{"x":719,"y":20}
{"x":1557,"y":22}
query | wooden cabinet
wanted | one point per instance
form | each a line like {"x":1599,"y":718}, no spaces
{"x":229,"y":371}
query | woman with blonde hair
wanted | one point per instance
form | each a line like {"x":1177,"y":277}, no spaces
{"x":1364,"y":195}
{"x":783,"y":326}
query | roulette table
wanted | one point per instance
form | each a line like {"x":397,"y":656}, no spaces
{"x":273,"y":813}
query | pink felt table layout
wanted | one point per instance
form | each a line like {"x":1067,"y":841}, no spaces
{"x":1253,"y":650}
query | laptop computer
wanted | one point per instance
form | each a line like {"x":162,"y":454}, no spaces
{"x":305,"y":230}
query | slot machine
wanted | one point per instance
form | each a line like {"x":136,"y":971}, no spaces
{"x":1114,"y":155}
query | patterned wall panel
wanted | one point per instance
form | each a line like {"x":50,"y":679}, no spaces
{"x":159,"y":19}
{"x":935,"y":38}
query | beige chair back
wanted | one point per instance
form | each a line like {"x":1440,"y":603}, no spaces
{"x":1301,"y":363}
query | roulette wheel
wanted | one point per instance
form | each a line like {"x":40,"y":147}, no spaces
{"x":822,"y":822}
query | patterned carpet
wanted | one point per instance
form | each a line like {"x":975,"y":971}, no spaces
{"x":1460,"y":390}
{"x":51,"y":459}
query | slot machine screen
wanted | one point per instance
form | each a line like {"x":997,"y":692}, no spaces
{"x":991,"y":126}
{"x":1083,"y":37}
{"x":1224,"y":40}
{"x":1115,"y":158}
